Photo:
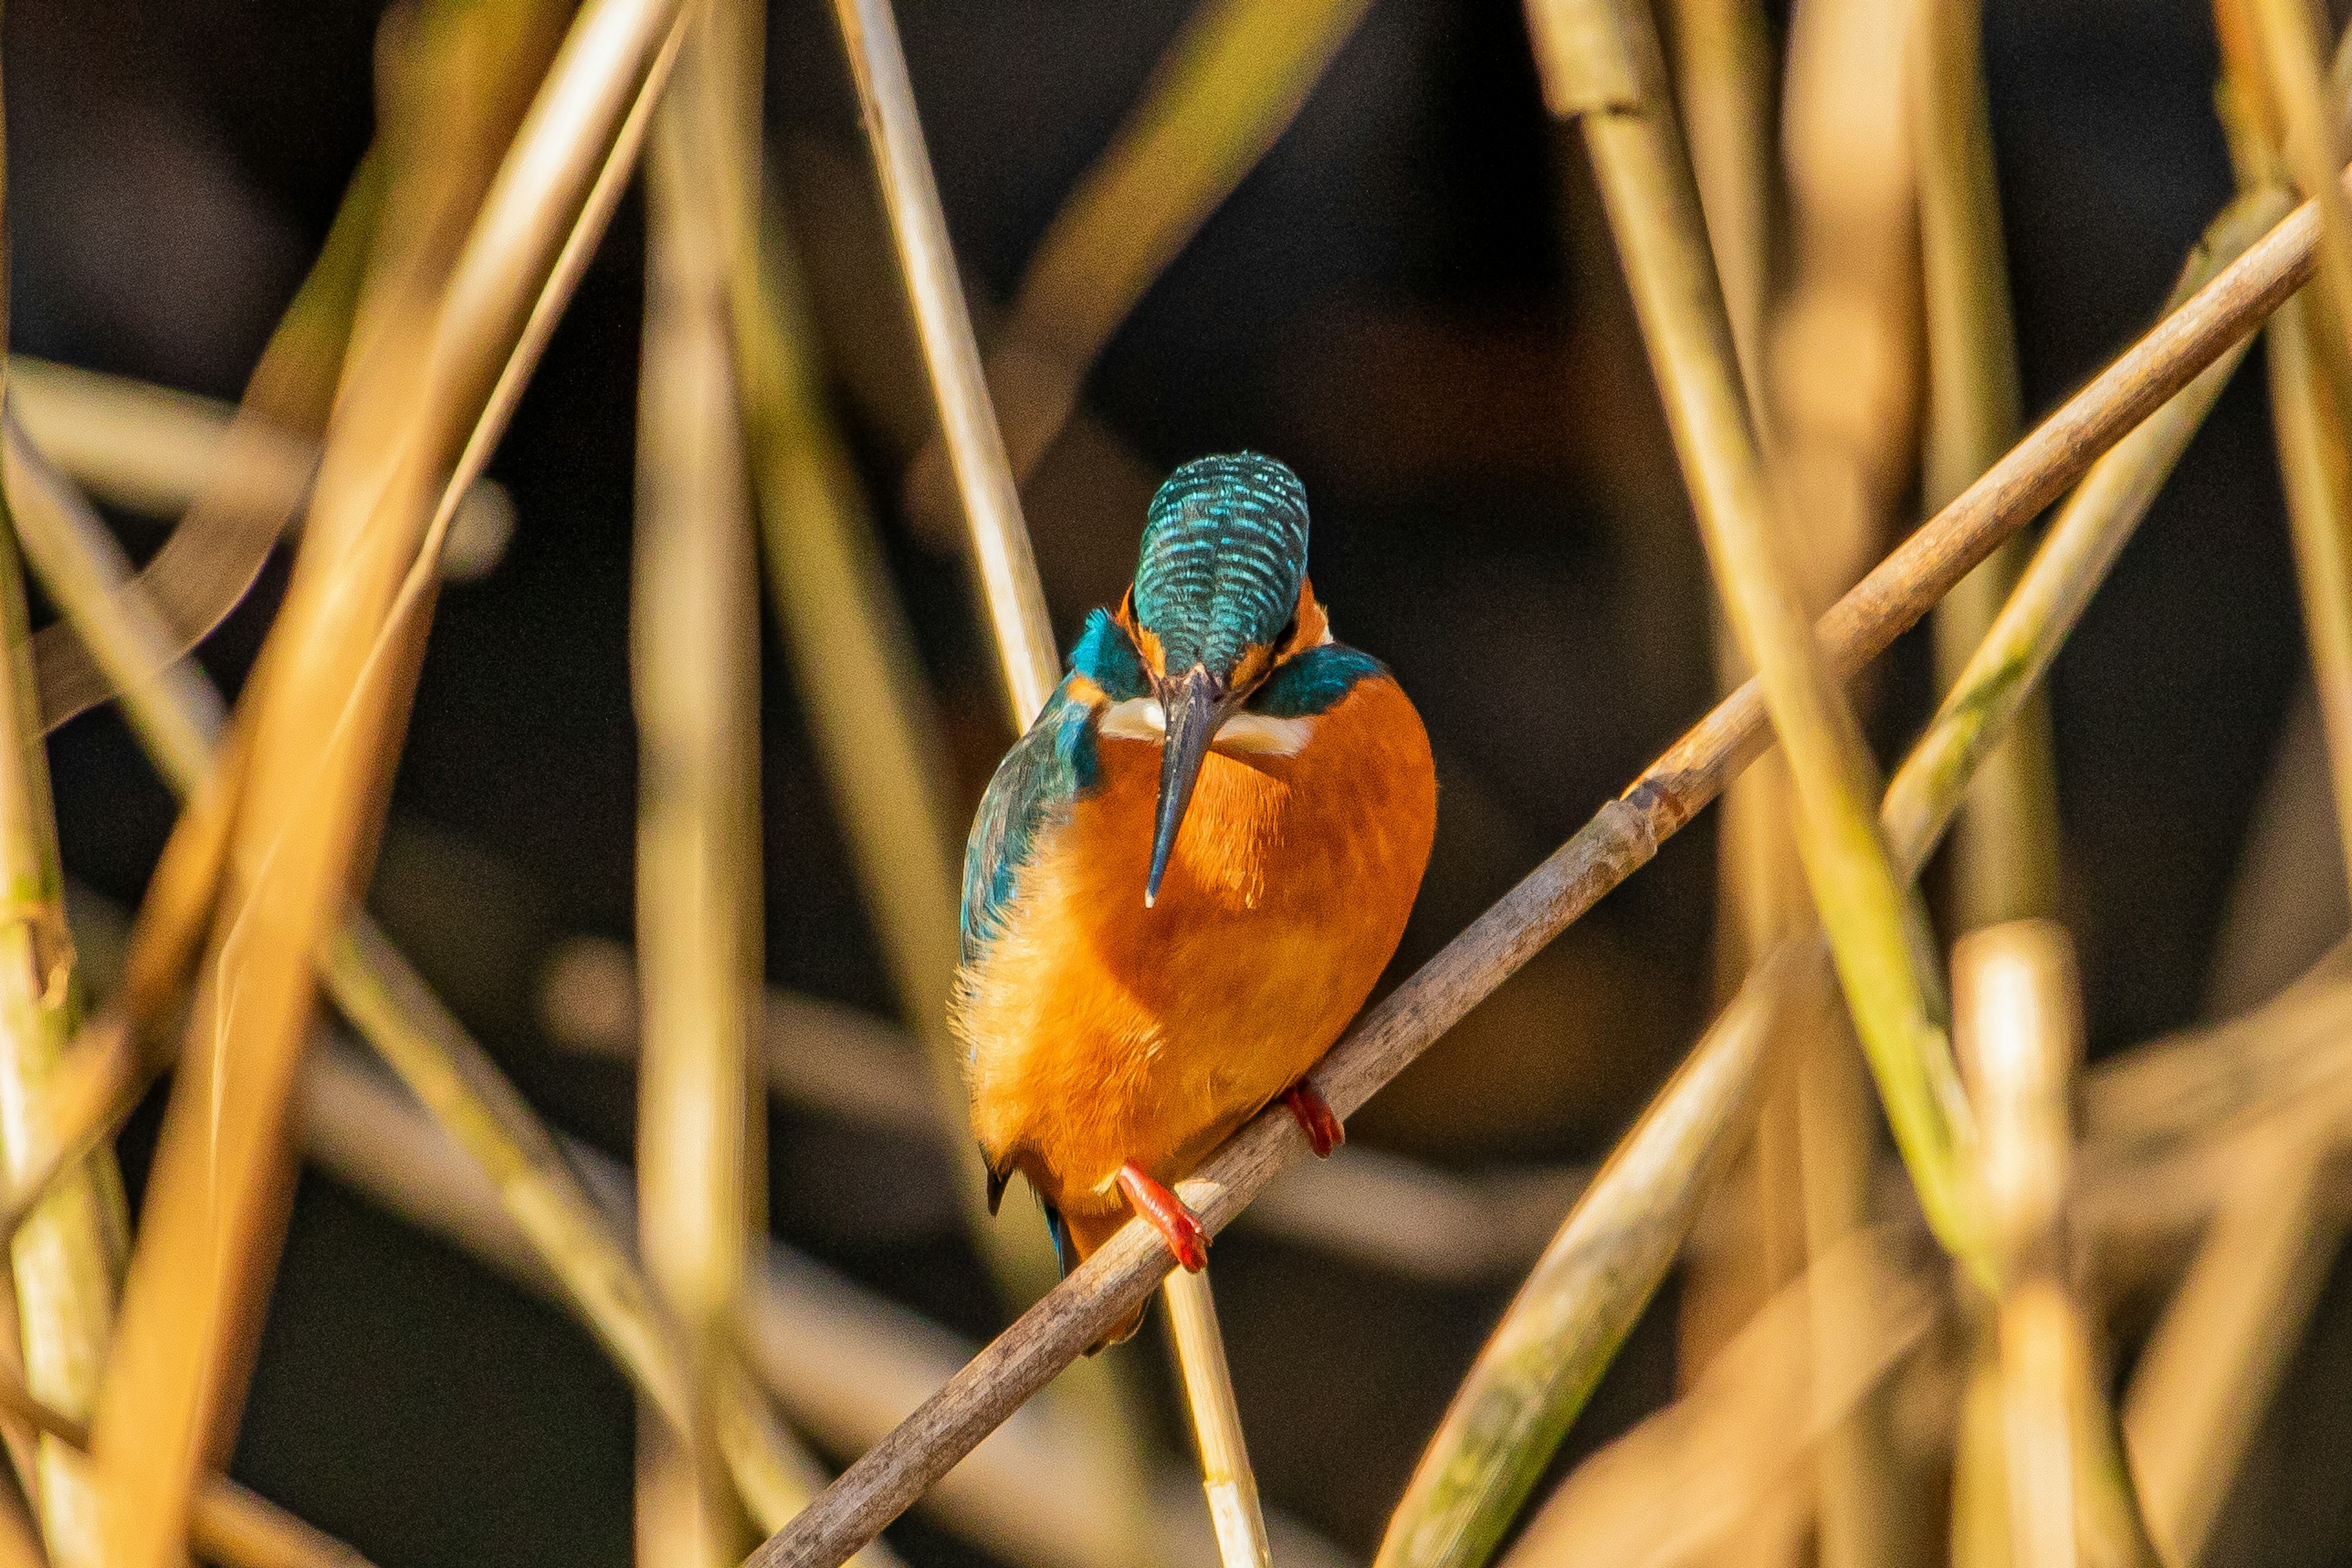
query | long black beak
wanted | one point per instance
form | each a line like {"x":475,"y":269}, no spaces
{"x":1194,"y":707}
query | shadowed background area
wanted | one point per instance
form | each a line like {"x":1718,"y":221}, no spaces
{"x":1414,"y":301}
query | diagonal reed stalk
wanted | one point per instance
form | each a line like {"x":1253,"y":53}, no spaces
{"x":2004,"y":855}
{"x":1222,"y":95}
{"x":1552,"y":1345}
{"x":442,"y":322}
{"x":1602,"y":66}
{"x":1016,"y":610}
{"x":1012,"y":597}
{"x":694,"y":665}
{"x":1621,"y":837}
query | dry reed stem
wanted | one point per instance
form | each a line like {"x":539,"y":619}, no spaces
{"x":1693,"y":1476}
{"x":374,"y":986}
{"x":428,"y":356}
{"x":157,"y":452}
{"x":1621,"y":837}
{"x":1601,"y":65}
{"x":2020,"y":1040}
{"x":2308,"y":424}
{"x":1725,"y":87}
{"x":1014,"y":600}
{"x":1723,"y":58}
{"x":694,"y":667}
{"x":2004,"y":853}
{"x":2309,"y":427}
{"x":1220,"y":97}
{"x":1841,"y":349}
{"x":1225,"y":1476}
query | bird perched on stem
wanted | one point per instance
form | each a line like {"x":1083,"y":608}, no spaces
{"x":1184,"y":880}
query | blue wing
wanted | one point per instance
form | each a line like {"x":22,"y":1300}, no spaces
{"x":1044,"y":772}
{"x":1047,"y":769}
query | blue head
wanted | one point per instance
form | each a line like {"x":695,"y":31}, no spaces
{"x":1220,"y":595}
{"x":1224,"y":553}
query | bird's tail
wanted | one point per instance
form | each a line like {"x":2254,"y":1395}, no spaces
{"x":1073,"y":1246}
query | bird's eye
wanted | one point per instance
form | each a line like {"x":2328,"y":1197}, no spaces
{"x":1289,"y":633}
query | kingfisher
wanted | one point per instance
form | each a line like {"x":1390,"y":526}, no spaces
{"x":1185,"y":878}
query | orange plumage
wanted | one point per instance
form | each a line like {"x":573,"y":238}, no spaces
{"x":1103,"y":1031}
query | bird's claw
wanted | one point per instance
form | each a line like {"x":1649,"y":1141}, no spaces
{"x":1315,"y":1116}
{"x":1186,"y":1236}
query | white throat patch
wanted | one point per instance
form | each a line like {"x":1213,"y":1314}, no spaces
{"x":1143,"y":718}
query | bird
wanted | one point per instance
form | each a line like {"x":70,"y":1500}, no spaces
{"x":1186,"y":877}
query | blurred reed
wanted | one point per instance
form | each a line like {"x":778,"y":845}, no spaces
{"x":1694,"y":1478}
{"x":694,"y":638}
{"x":1382,"y":1210}
{"x":2020,"y":1031}
{"x":451,"y":298}
{"x":2004,"y":855}
{"x":241,"y":508}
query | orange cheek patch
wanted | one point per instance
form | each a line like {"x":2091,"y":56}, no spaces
{"x":1256,"y":660}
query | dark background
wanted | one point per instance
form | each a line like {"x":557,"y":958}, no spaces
{"x":1411,"y":302}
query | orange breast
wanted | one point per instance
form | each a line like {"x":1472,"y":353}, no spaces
{"x":1103,"y":1032}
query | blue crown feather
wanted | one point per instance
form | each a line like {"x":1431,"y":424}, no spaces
{"x":1225,"y":551}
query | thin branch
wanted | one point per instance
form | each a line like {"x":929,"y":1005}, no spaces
{"x":991,"y":501}
{"x":1621,"y":838}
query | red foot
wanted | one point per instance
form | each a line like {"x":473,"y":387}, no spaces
{"x":1316,"y":1115}
{"x":1166,"y":1214}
